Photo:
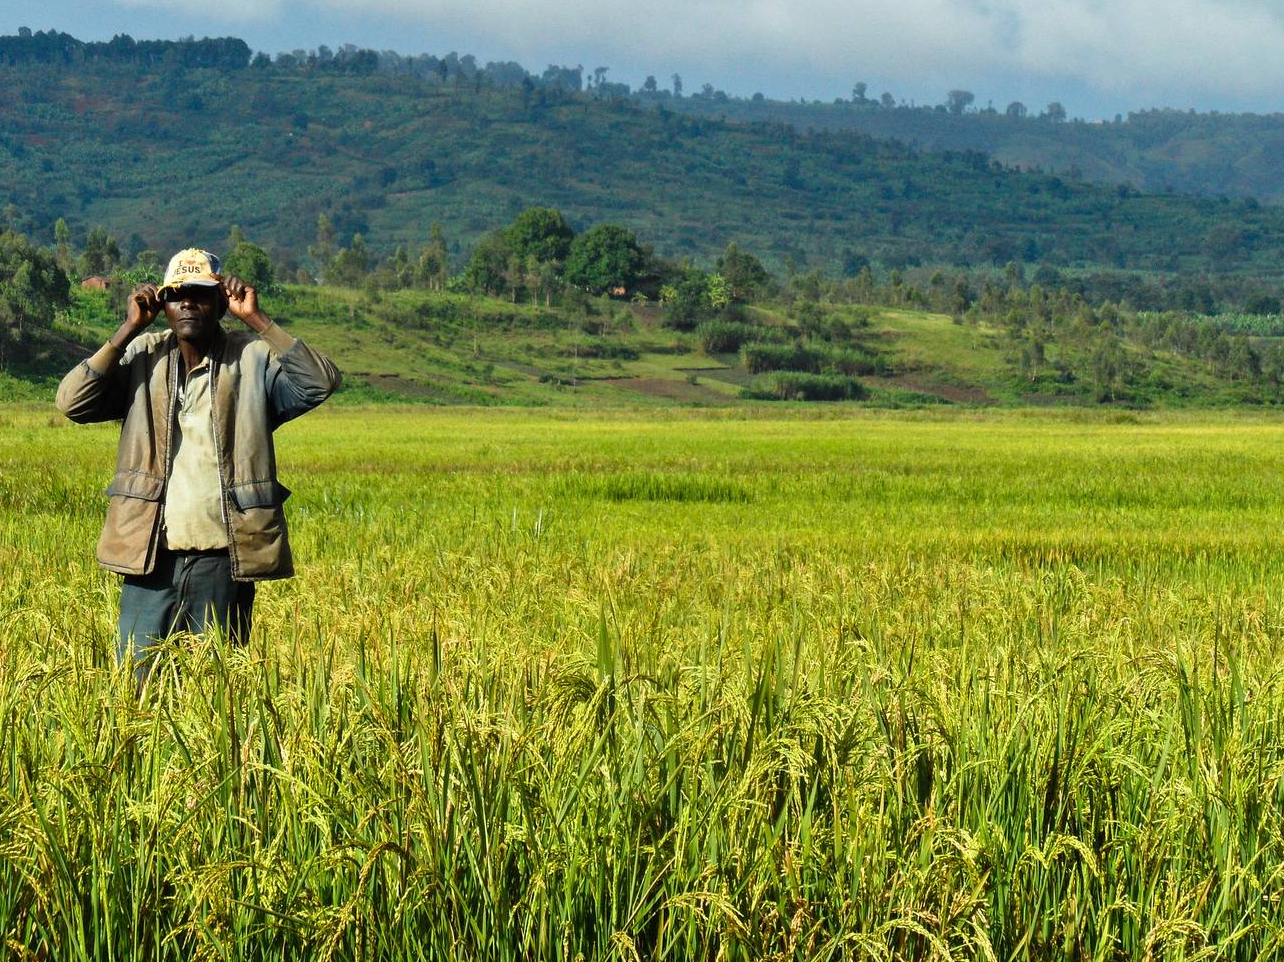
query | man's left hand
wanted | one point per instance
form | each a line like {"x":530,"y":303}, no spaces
{"x":242,"y":300}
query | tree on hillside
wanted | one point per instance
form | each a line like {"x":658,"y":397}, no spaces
{"x":400,"y":268}
{"x":677,"y":85}
{"x":350,"y":265}
{"x":687,"y":303}
{"x":251,"y":263}
{"x":101,"y":254}
{"x":541,"y":233}
{"x":858,"y":92}
{"x":545,"y":279}
{"x":603,"y":258}
{"x":719,"y":292}
{"x":744,"y":273}
{"x":959,"y":100}
{"x":853,"y":262}
{"x":1224,"y":243}
{"x":1033,"y":355}
{"x":32,"y":288}
{"x":1016,"y":110}
{"x":1110,"y":366}
{"x":489,"y":264}
{"x":434,"y":267}
{"x":1262,"y":303}
{"x":323,"y":250}
{"x":62,"y":240}
{"x":1055,"y":112}
{"x":563,"y":78}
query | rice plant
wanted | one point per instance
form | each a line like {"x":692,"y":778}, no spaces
{"x":733,"y":685}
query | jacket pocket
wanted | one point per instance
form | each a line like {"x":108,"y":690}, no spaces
{"x":257,"y":494}
{"x":136,"y":484}
{"x":259,"y":529}
{"x":133,"y":514}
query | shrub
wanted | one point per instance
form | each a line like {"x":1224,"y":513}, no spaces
{"x":689,"y":301}
{"x":852,"y":361}
{"x":721,"y":337}
{"x":605,"y":348}
{"x":759,"y":357}
{"x":801,"y":386}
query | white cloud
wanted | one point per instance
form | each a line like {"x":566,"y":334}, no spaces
{"x":238,"y":11}
{"x":1224,"y":46}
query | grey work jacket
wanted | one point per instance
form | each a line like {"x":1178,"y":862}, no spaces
{"x":257,"y":383}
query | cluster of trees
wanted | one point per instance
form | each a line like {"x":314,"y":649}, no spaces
{"x":957,"y":102}
{"x":693,"y":295}
{"x":539,"y":257}
{"x":1115,"y":348}
{"x":464,"y":69}
{"x":230,"y":53}
{"x":356,"y":265}
{"x":1194,"y":293}
{"x":32,"y":288}
{"x":453,"y":68}
{"x":538,"y":254}
{"x":52,"y":47}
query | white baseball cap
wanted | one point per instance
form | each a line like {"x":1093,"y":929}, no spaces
{"x":192,"y":266}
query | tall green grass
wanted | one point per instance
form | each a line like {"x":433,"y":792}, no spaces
{"x":1000,"y":686}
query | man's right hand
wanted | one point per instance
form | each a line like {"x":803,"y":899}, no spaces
{"x":144,"y":306}
{"x":141,"y":311}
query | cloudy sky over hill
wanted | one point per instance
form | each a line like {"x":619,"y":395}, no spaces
{"x":1095,"y":56}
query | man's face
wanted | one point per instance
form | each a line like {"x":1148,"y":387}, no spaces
{"x":193,"y":312}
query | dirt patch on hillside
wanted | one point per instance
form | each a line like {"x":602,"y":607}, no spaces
{"x":957,"y":393}
{"x":673,"y":390}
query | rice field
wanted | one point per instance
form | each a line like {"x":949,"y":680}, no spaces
{"x":679,"y":686}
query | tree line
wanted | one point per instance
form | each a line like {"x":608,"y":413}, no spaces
{"x":230,"y":53}
{"x":54,"y":47}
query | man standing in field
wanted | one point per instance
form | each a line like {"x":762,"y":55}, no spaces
{"x":195,"y":514}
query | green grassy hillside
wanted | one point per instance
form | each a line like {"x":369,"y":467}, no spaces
{"x":1213,"y":155}
{"x":440,"y":348}
{"x":170,"y":156}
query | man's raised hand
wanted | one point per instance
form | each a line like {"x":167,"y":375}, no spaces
{"x":242,"y":299}
{"x":143,"y":307}
{"x":141,"y":310}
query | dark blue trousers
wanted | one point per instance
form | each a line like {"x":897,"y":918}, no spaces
{"x":186,"y":591}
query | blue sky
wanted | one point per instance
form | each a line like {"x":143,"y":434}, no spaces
{"x":1095,"y":56}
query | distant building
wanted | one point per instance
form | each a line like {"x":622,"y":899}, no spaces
{"x":97,"y":283}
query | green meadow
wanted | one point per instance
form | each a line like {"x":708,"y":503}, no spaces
{"x":740,"y":683}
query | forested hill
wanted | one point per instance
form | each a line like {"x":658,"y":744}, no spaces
{"x":1156,"y":151}
{"x":171,"y":145}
